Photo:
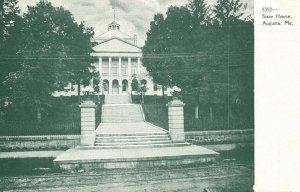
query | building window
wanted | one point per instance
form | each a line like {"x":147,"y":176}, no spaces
{"x":124,"y":66}
{"x":134,"y":66}
{"x":114,"y":66}
{"x":105,"y":67}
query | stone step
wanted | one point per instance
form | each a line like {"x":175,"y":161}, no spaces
{"x":142,"y":134}
{"x":127,"y":112}
{"x":144,"y":145}
{"x":121,"y":120}
{"x":131,"y":143}
{"x":95,"y":157}
{"x":121,"y":115}
{"x":117,"y":99}
{"x":124,"y":139}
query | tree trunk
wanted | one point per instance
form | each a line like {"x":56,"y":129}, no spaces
{"x":230,"y":112}
{"x":78,"y":91}
{"x":210,"y":113}
{"x":38,"y":115}
{"x":197,"y":110}
{"x":1,"y":23}
{"x":163,"y":93}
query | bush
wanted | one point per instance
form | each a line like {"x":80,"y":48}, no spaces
{"x":156,"y":114}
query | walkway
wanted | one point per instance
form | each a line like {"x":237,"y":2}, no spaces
{"x":125,"y":140}
{"x":29,"y":154}
{"x":128,"y":128}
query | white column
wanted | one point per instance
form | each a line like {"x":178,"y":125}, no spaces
{"x":110,"y":87}
{"x":100,"y":66}
{"x":109,"y":66}
{"x":120,"y":86}
{"x":129,"y":66}
{"x":129,"y":86}
{"x":139,"y":65}
{"x":120,"y":61}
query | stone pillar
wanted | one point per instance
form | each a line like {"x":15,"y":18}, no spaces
{"x":129,"y":87}
{"x":120,"y":86}
{"x":120,"y":66}
{"x":109,"y":66}
{"x":100,"y":66}
{"x":88,"y":123}
{"x":110,"y":88}
{"x":129,"y":66}
{"x":176,"y":121}
{"x":139,"y":66}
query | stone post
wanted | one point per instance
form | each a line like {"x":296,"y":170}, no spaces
{"x":88,"y":123}
{"x":176,"y":121}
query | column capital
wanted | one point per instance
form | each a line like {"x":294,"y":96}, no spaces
{"x":87,"y":104}
{"x":175,"y":103}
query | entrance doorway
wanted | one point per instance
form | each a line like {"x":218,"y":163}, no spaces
{"x":115,"y":86}
{"x":105,"y":86}
{"x":124,"y":86}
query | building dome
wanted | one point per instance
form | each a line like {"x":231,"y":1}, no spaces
{"x":115,"y":32}
{"x":114,"y":26}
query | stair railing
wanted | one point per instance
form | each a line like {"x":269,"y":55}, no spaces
{"x":130,"y":99}
{"x":142,"y":111}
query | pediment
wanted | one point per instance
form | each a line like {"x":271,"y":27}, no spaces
{"x":116,"y":45}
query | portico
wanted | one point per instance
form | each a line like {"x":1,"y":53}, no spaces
{"x":116,"y":73}
{"x":119,"y":59}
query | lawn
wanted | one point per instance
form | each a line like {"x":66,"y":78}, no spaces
{"x":156,"y":113}
{"x":62,"y":118}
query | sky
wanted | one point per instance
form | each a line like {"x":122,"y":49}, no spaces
{"x":134,"y":16}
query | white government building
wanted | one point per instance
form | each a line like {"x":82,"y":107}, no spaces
{"x":119,"y":59}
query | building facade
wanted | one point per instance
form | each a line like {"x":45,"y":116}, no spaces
{"x":119,"y":61}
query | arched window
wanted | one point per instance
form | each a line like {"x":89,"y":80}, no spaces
{"x":124,"y":85}
{"x":105,"y":85}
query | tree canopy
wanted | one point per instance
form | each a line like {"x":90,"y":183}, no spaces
{"x":205,"y":50}
{"x":54,"y":50}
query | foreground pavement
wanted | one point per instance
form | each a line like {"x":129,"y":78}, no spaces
{"x":233,"y":178}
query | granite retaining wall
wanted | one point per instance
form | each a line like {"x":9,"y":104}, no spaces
{"x":44,"y":142}
{"x":221,"y":140}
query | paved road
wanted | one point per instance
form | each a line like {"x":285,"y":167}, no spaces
{"x":237,"y":178}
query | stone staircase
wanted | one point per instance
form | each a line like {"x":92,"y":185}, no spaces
{"x":129,"y":116}
{"x":117,"y":99}
{"x":122,"y":113}
{"x":125,"y":140}
{"x":119,"y":141}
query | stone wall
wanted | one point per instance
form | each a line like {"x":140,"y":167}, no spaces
{"x":47,"y":142}
{"x":220,"y":137}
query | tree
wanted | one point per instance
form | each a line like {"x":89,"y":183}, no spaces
{"x":55,"y":50}
{"x":165,"y":39}
{"x":155,"y":45}
{"x":200,"y":11}
{"x":139,"y":85}
{"x":11,"y":24}
{"x":209,"y":60}
{"x":227,"y":11}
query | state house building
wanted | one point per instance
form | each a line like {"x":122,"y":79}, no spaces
{"x":119,"y":58}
